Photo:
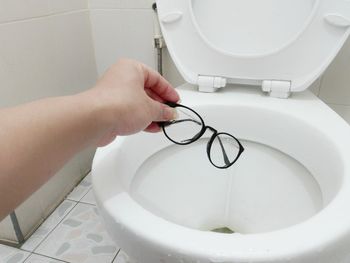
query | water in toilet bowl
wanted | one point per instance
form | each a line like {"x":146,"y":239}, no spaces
{"x":265,"y":191}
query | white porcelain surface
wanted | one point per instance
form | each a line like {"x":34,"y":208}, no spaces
{"x":317,"y":138}
{"x":12,"y":255}
{"x":228,"y":51}
{"x":117,"y":34}
{"x":80,"y":238}
{"x":334,"y":90}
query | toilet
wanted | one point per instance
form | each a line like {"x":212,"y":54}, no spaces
{"x":248,"y":65}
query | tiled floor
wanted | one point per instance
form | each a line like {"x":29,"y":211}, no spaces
{"x":73,"y":233}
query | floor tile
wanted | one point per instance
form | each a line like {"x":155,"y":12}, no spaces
{"x":81,"y":190}
{"x":12,"y":255}
{"x":122,"y":257}
{"x":89,"y":198}
{"x":41,"y":259}
{"x":50,"y":223}
{"x":80,"y":238}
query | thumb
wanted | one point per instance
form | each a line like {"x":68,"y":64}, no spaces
{"x":162,"y":112}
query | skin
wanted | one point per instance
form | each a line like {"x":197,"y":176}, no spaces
{"x":38,"y":138}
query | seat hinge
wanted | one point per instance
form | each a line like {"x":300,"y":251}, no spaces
{"x":210,"y":83}
{"x":277,"y":88}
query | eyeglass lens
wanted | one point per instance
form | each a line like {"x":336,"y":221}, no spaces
{"x":185,"y":128}
{"x":224,"y":150}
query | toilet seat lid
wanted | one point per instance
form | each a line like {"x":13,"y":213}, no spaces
{"x":252,"y":41}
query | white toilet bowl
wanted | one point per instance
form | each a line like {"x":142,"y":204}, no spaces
{"x":286,"y":199}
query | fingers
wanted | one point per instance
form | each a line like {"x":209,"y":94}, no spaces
{"x":153,"y":128}
{"x":162,"y":112}
{"x":159,"y":86}
{"x":154,"y":95}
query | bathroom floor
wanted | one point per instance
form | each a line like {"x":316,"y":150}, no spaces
{"x":73,"y":233}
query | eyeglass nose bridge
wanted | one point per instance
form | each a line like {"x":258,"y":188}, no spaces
{"x":211,"y":129}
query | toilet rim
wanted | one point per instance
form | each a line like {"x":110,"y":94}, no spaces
{"x":125,"y":212}
{"x":182,"y":240}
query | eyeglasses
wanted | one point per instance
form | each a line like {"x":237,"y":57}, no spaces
{"x":223,"y":149}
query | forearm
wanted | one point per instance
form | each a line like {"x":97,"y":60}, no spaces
{"x":37,"y":139}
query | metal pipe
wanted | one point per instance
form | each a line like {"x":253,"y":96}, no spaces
{"x":158,"y":40}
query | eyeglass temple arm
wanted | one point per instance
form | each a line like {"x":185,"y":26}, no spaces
{"x":227,"y":161}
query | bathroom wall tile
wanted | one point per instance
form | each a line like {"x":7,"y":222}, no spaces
{"x":22,"y":9}
{"x":342,"y":110}
{"x":121,"y":33}
{"x":89,"y":198}
{"x":7,"y":231}
{"x":101,"y":4}
{"x":51,"y":56}
{"x":81,"y":189}
{"x":44,"y":57}
{"x":49,"y":224}
{"x":316,"y":86}
{"x":36,"y":208}
{"x":60,"y":6}
{"x":85,"y":158}
{"x":80,"y":238}
{"x":12,"y":255}
{"x":41,"y":259}
{"x":170,"y":71}
{"x":13,"y":10}
{"x":335,"y":87}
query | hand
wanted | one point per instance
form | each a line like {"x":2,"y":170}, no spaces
{"x":134,"y":95}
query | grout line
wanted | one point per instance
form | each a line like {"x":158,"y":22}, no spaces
{"x":67,"y":198}
{"x":79,"y":182}
{"x":27,"y":257}
{"x":116,"y":255}
{"x":119,"y":8}
{"x":84,"y":203}
{"x":43,"y":16}
{"x":17,"y":228}
{"x":35,"y":253}
{"x":50,"y":232}
{"x":86,"y":193}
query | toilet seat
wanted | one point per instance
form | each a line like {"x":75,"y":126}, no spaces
{"x":315,"y":44}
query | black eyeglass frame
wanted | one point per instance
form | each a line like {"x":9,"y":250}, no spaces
{"x":201,"y":133}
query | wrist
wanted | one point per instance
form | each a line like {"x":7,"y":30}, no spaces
{"x":98,"y":112}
